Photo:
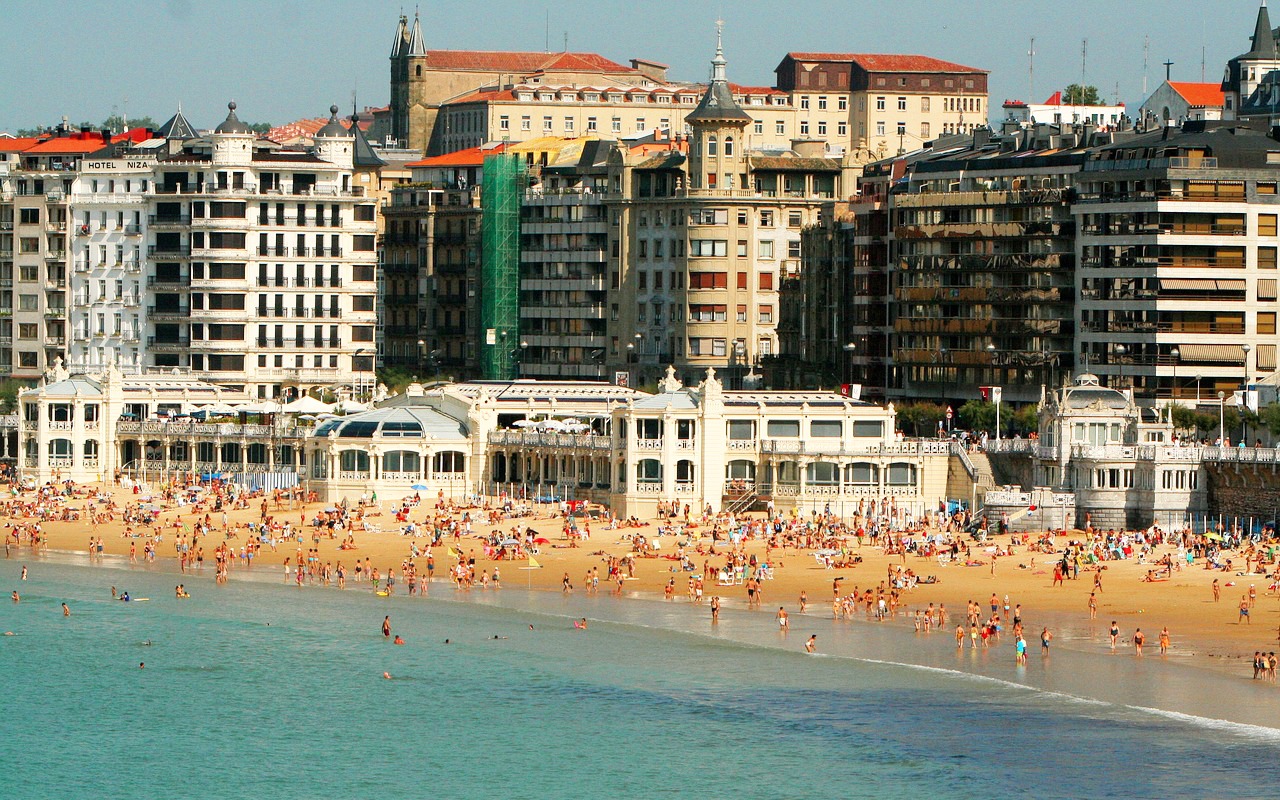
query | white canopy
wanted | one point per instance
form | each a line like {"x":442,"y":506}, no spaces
{"x":351,"y":406}
{"x":306,"y":405}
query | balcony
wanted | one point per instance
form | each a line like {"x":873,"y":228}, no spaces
{"x":55,"y":255}
{"x":55,"y":341}
{"x":56,"y":312}
{"x":168,"y":344}
{"x":169,"y":251}
{"x":168,"y":220}
{"x":179,"y":282}
{"x":178,"y":311}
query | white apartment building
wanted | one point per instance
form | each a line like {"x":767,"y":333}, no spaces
{"x":263,"y":263}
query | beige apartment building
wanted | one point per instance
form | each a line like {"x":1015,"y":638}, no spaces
{"x":883,"y":103}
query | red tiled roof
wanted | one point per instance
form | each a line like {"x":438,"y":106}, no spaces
{"x":879,"y":62}
{"x":737,"y":88}
{"x":70,"y":145}
{"x":308,"y":127}
{"x":484,"y":96}
{"x":513,"y":61}
{"x":470,"y":157}
{"x":19,"y":144}
{"x":1199,"y":94}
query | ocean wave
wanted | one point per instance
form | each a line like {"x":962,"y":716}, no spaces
{"x":1254,"y":732}
{"x":979,"y":678}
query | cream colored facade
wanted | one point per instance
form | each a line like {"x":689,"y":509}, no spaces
{"x":529,"y":111}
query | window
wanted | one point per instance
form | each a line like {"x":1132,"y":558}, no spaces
{"x":804,"y":101}
{"x":707,"y":313}
{"x":842,"y":103}
{"x":842,"y":129}
{"x":1266,"y":224}
{"x":742,"y":313}
{"x":353,"y":461}
{"x":879,"y":104}
{"x":822,"y":473}
{"x":28,"y":302}
{"x":546,"y":124}
{"x":450,"y":461}
{"x":708,"y":248}
{"x":401,"y":461}
{"x":783,"y":428}
{"x":924,"y":104}
{"x":924,"y":130}
{"x":712,"y":146}
{"x":766,"y":218}
{"x":862,"y":474}
{"x":766,"y":248}
{"x":708,"y":280}
{"x":742,"y":429}
{"x":902,"y":104}
{"x":1266,"y":258}
{"x":766,"y":281}
{"x":742,"y":280}
{"x":826,"y":428}
{"x":804,"y":127}
{"x":29,"y":216}
{"x":766,"y":315}
{"x":649,"y":470}
{"x":591,"y":125}
{"x":504,"y":123}
{"x":526,"y":123}
{"x":867,"y":429}
{"x":901,"y":475}
{"x":759,"y":127}
{"x":780,"y":127}
{"x":880,"y":128}
{"x":822,"y":128}
{"x":822,"y":103}
{"x":616,"y":125}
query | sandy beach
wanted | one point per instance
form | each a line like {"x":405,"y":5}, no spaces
{"x":1204,"y":632}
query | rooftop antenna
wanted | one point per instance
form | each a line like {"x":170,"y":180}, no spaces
{"x":546,"y":35}
{"x":1031,"y":72}
{"x":566,"y":41}
{"x":1146,"y":54}
{"x":1084,"y":62}
{"x":1202,"y":48}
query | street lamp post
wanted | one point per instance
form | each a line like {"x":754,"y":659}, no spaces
{"x":1222,"y":434}
{"x":1175,"y":354}
{"x":995,"y":390}
{"x":1120,"y":351}
{"x":1244,"y":397}
{"x":849,"y":348}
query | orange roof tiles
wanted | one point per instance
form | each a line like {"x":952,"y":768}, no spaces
{"x":1199,"y":94}
{"x":470,"y":157}
{"x":879,"y":62}
{"x":19,"y":144}
{"x":514,"y":61}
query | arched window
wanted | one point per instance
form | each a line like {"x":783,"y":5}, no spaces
{"x":418,"y":71}
{"x":59,"y":412}
{"x":230,"y":453}
{"x":712,"y":145}
{"x":257,"y":453}
{"x":728,"y":145}
{"x":822,"y":473}
{"x":862,"y":474}
{"x":401,"y":461}
{"x":684,"y":471}
{"x":59,"y":448}
{"x":450,"y":461}
{"x":353,"y":461}
{"x":649,"y":470}
{"x":91,"y":448}
{"x":901,"y":474}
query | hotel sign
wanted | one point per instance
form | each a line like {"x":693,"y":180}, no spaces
{"x":118,"y":165}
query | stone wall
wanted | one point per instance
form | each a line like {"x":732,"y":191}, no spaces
{"x":1244,"y":490}
{"x":1013,"y":469}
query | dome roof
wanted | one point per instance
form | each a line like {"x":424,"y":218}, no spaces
{"x":1087,"y":392}
{"x":232,"y":123}
{"x":402,"y":423}
{"x":333,"y":129}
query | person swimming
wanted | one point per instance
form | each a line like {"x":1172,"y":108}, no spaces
{"x":124,"y":597}
{"x":398,"y":640}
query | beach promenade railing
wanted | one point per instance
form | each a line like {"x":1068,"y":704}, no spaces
{"x":209,"y":429}
{"x":1163,"y":453}
{"x":910,"y":447}
{"x":584,"y":441}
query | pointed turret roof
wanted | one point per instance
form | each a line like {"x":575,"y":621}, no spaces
{"x":333,"y":129}
{"x":401,"y":42}
{"x":1264,"y":41}
{"x":177,"y":128}
{"x":363,"y":154}
{"x":417,"y":45}
{"x":232,"y":123}
{"x":717,"y":103}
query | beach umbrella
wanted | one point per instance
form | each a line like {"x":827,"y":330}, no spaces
{"x":217,"y":408}
{"x":419,"y":487}
{"x":523,"y":423}
{"x":542,"y":540}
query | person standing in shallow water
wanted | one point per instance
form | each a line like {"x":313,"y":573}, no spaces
{"x":386,"y":627}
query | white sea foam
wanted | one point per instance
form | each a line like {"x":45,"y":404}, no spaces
{"x":1255,"y":732}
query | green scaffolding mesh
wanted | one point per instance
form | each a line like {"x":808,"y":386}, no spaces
{"x":504,"y":185}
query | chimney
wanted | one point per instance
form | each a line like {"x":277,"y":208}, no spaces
{"x":106,"y":136}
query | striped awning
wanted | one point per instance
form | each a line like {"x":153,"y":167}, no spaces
{"x":1266,"y":288}
{"x":1212,"y":353}
{"x":1201,"y":285}
{"x":1266,"y":356}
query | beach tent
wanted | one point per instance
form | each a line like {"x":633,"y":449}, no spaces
{"x":306,"y":405}
{"x":351,"y":406}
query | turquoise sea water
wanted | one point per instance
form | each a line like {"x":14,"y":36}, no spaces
{"x":261,"y":690}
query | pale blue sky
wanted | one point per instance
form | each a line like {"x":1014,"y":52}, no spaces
{"x":284,"y":59}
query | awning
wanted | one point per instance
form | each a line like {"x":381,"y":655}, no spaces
{"x":1212,"y":353}
{"x":1201,"y":285}
{"x":1266,"y":288}
{"x":1266,"y":356}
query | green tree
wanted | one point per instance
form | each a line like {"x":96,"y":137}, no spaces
{"x":920,"y":419}
{"x":1269,"y":417}
{"x":259,"y":127}
{"x":978,"y":415}
{"x":1077,"y":95}
{"x":116,"y":123}
{"x":9,"y":395}
{"x":1023,"y":421}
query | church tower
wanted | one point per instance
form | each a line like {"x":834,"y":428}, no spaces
{"x":408,"y":82}
{"x":717,"y":147}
